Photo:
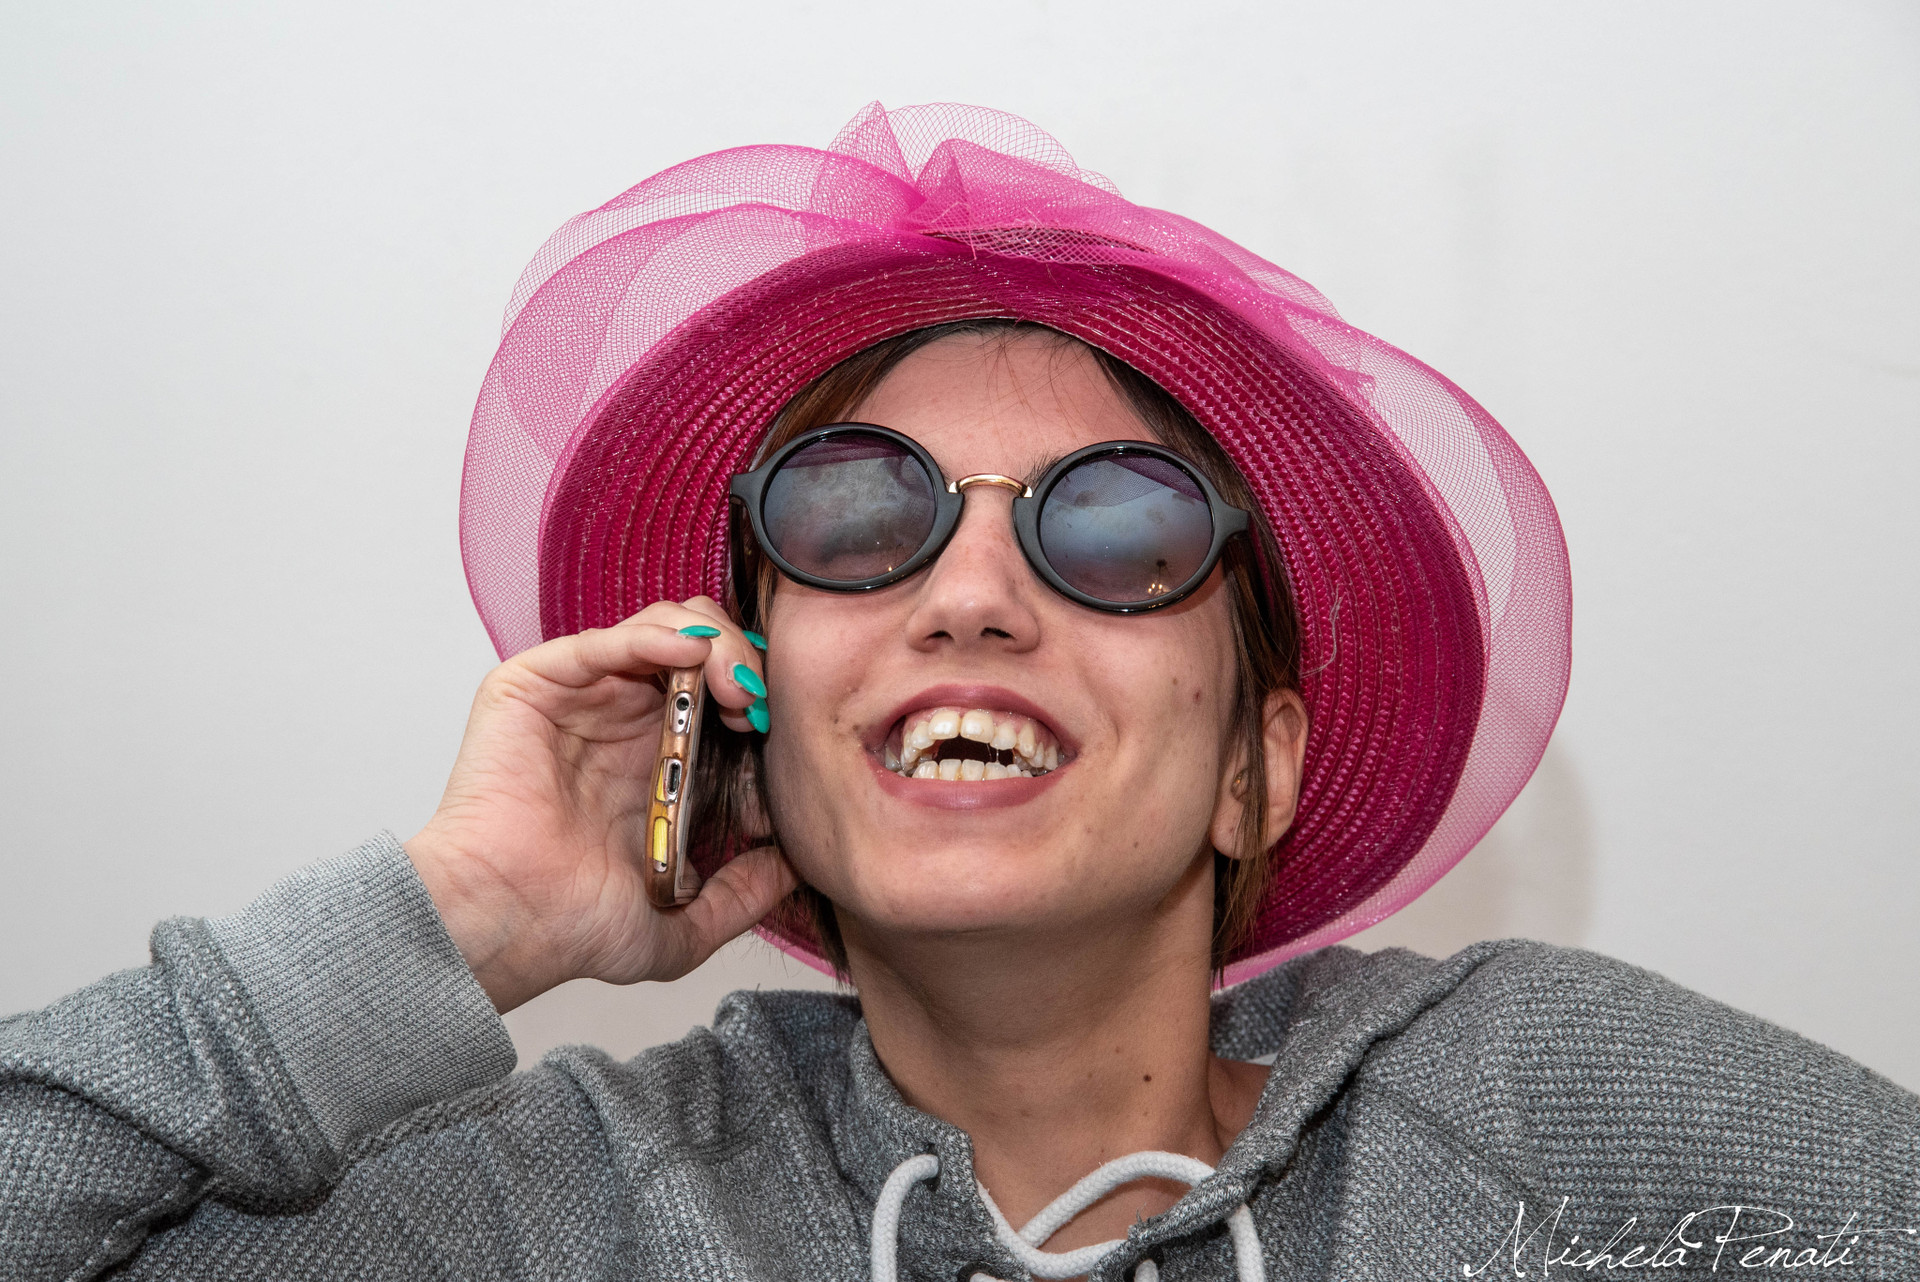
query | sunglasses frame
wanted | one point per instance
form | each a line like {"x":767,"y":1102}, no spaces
{"x":748,"y":489}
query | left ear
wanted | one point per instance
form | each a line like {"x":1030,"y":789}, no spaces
{"x":1284,"y":743}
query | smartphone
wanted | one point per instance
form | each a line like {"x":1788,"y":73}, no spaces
{"x":671,"y":878}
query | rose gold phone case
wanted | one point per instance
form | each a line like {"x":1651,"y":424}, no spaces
{"x":670,"y":876}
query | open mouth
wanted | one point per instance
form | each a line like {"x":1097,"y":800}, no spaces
{"x":970,"y":745}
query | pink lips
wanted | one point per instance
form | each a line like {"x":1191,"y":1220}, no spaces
{"x":986,"y":794}
{"x":997,"y":698}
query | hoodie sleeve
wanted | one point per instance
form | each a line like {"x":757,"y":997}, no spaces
{"x":242,"y":1064}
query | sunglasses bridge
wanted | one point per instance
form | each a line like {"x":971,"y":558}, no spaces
{"x":1020,"y":488}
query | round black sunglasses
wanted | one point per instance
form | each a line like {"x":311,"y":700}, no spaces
{"x":1125,"y":526}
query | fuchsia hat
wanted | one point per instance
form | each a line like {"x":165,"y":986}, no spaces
{"x":652,"y":341}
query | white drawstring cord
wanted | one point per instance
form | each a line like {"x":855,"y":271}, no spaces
{"x":1024,"y":1244}
{"x":886,"y":1213}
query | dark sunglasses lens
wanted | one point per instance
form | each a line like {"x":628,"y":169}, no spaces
{"x":1126,"y":528}
{"x":849,"y":507}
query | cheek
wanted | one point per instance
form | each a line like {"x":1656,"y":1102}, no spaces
{"x":830,"y":639}
{"x":814,"y":662}
{"x":816,"y":656}
{"x":791,"y":798}
{"x":1171,"y":690}
{"x":1167,"y":764}
{"x":1168,"y":741}
{"x":798,"y":794}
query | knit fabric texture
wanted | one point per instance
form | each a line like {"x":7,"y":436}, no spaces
{"x":317,"y":1088}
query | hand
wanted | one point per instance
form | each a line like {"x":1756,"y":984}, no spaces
{"x":533,"y":857}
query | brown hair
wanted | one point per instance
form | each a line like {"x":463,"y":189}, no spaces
{"x":1265,"y":632}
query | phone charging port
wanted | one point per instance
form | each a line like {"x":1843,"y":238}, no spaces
{"x":673,"y":779}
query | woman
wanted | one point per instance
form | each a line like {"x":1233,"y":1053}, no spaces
{"x":1096,"y":617}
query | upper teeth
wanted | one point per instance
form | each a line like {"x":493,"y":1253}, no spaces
{"x":1029,"y":747}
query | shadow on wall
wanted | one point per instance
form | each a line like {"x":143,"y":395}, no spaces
{"x":1531,"y":877}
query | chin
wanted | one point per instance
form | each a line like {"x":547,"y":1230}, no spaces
{"x":956,"y":889}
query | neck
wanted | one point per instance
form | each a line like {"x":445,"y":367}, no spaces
{"x":1059,"y":1050}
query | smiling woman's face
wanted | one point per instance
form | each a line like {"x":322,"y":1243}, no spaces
{"x":1136,"y":706}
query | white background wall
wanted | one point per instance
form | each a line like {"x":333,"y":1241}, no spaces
{"x":253,"y":259}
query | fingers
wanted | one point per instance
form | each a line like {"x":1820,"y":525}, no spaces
{"x":735,"y":677}
{"x":731,"y":903}
{"x":634,"y":648}
{"x":657,"y":638}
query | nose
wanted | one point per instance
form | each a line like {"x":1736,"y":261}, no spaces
{"x":979,"y":593}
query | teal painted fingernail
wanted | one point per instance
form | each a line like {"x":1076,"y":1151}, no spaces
{"x":759,"y":642}
{"x":749,"y":680}
{"x":699,"y":630}
{"x":757,"y":715}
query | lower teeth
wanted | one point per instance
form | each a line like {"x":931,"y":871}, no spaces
{"x":969,"y":770}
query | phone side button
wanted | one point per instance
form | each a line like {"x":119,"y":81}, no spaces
{"x":658,"y":847}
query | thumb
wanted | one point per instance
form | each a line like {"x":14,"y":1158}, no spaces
{"x":732,"y":901}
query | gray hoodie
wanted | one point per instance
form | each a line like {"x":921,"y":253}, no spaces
{"x":317,"y":1088}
